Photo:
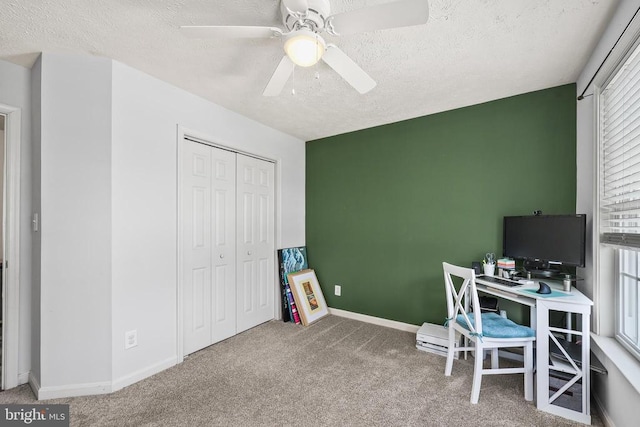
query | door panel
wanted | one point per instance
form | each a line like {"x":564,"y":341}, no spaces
{"x":255,"y":242}
{"x":263,"y":218}
{"x":200,"y":213}
{"x":247,"y":218}
{"x":224,"y":248}
{"x":201,"y":311}
{"x":221,"y":295}
{"x":196,"y":214}
{"x":208,"y":213}
{"x":263,"y":283}
{"x":246,"y":299}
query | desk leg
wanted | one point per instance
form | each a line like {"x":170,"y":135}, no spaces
{"x":586,"y":364}
{"x":533,"y":321}
{"x":545,"y":398}
{"x":542,"y":355}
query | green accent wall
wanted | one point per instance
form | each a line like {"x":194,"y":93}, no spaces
{"x":386,"y":206}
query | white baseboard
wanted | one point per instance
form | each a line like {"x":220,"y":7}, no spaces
{"x":71,"y":390}
{"x":33,"y":383}
{"x":407,"y":327}
{"x":75,"y":390}
{"x":600,"y":409}
{"x":141,"y":374}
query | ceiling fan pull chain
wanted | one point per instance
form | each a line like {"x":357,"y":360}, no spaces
{"x":317,"y":75}
{"x":293,"y":81}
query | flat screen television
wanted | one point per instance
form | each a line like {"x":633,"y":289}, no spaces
{"x":544,"y":240}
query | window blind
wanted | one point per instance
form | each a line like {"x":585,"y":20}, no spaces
{"x":620,"y":156}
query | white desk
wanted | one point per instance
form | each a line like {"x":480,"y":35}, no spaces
{"x":548,"y":398}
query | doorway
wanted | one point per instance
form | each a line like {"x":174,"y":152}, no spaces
{"x":10,"y":243}
{"x":2,"y":168}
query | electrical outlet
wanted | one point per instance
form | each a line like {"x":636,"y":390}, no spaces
{"x":338,"y":290}
{"x":130,"y":339}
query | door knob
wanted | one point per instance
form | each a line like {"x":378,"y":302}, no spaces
{"x":249,"y":253}
{"x":221,"y":256}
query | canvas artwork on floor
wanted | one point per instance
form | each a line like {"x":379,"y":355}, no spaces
{"x":290,"y":260}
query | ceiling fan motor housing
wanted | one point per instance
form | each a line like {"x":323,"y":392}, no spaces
{"x":314,"y":20}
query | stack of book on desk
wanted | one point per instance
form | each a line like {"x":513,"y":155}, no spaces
{"x":506,"y":264}
{"x":434,"y":339}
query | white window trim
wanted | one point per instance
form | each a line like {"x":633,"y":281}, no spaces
{"x":620,"y":338}
{"x":606,"y":347}
{"x":610,"y":352}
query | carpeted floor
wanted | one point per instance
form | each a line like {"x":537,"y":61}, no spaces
{"x":336,"y":372}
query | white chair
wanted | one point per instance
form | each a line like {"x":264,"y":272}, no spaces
{"x":486,"y":331}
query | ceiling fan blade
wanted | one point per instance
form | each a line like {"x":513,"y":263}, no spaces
{"x":403,"y":13}
{"x":299,"y":6}
{"x":279,"y":77}
{"x":348,"y":70}
{"x":230,"y":32}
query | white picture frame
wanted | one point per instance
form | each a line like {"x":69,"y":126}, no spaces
{"x":308,"y":296}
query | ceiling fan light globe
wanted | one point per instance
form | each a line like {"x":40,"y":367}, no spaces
{"x":304,"y":48}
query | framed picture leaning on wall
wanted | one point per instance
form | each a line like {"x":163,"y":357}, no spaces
{"x":308,"y":296}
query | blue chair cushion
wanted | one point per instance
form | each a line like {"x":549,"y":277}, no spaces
{"x":495,"y":326}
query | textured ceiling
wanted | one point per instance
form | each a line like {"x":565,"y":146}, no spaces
{"x":470,"y":51}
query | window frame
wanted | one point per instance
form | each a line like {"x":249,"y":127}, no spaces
{"x":609,"y":270}
{"x":622,"y":338}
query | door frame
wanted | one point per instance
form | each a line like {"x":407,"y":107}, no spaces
{"x":11,"y":271}
{"x":182,"y":133}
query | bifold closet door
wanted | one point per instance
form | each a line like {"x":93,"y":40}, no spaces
{"x":228,"y":244}
{"x":255,"y":242}
{"x":209,"y":253}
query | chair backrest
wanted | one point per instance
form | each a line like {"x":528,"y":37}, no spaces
{"x":456,"y":296}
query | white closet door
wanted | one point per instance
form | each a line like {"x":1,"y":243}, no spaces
{"x":208,"y":221}
{"x":196,"y":232}
{"x":224,"y":244}
{"x":255,"y":277}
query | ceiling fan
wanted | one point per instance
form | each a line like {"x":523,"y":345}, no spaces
{"x":305,"y":20}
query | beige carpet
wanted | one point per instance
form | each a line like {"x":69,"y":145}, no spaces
{"x":336,"y":372}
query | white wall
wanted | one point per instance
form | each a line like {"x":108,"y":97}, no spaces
{"x":15,"y":91}
{"x":75,"y":223}
{"x":613,"y":392}
{"x":107,"y":160}
{"x":146,"y":115}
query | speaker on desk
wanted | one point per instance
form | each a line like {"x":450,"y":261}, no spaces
{"x":477,"y":267}
{"x":530,"y":264}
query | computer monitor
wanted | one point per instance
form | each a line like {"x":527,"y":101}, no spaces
{"x":546,"y":239}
